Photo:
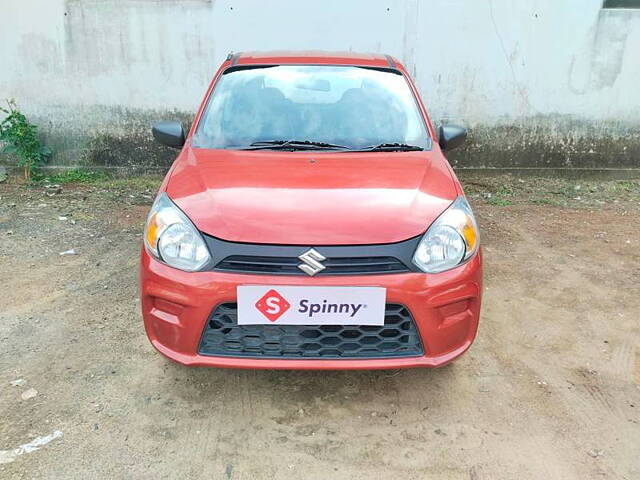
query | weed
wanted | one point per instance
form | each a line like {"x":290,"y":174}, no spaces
{"x":499,"y":201}
{"x":21,"y":138}
{"x":502,"y":198}
{"x":78,"y":175}
{"x":149,"y":183}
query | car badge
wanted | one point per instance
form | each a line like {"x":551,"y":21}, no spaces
{"x":311,"y":259}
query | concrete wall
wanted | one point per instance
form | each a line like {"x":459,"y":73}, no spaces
{"x":542,"y":83}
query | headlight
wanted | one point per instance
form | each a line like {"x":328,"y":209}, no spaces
{"x":451,"y":240}
{"x":171,"y":237}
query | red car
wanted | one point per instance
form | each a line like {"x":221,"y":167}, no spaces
{"x":311,"y":221}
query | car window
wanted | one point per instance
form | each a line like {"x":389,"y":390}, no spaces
{"x":351,"y":106}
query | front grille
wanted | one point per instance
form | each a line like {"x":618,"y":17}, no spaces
{"x":289,"y":265}
{"x":268,"y":259}
{"x":398,"y":337}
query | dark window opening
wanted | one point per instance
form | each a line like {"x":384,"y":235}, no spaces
{"x":621,"y":4}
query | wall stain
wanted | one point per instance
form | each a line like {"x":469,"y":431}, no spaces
{"x":609,"y":48}
{"x":121,"y":137}
{"x":551,"y":141}
{"x":601,"y":58}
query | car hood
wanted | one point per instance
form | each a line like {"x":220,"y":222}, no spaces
{"x":311,"y":198}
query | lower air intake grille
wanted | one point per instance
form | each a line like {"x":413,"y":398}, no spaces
{"x":223,"y":336}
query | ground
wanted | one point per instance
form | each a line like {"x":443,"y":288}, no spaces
{"x":550,"y":389}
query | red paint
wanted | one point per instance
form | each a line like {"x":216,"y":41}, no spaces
{"x":200,"y":293}
{"x":283,"y":198}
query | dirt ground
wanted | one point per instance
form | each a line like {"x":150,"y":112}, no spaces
{"x":550,"y":389}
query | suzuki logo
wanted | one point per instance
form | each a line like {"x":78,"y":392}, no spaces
{"x":311,"y":259}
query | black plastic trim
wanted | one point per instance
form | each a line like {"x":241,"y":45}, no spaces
{"x":395,"y":71}
{"x":392,"y":64}
{"x":451,"y":136}
{"x":169,"y":133}
{"x":223,"y":337}
{"x":222,"y":249}
{"x":251,"y":66}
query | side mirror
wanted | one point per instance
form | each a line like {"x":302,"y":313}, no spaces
{"x":451,"y":136}
{"x":169,"y":133}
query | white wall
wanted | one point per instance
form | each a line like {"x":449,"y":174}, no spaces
{"x":481,"y":62}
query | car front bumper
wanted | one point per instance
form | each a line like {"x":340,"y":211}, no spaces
{"x":445,"y":307}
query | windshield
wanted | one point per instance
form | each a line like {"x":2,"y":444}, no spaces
{"x":348,"y":106}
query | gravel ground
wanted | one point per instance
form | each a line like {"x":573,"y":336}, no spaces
{"x":551,"y":389}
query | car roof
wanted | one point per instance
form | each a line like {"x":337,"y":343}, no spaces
{"x":313,"y":57}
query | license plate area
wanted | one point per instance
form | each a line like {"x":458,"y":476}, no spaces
{"x":314,"y":305}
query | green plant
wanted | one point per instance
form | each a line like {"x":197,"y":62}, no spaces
{"x":21,"y":138}
{"x":499,"y":201}
{"x":502,"y":198}
{"x":78,"y":175}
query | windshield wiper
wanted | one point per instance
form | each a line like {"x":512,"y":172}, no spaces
{"x":391,"y":147}
{"x":293,"y":145}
